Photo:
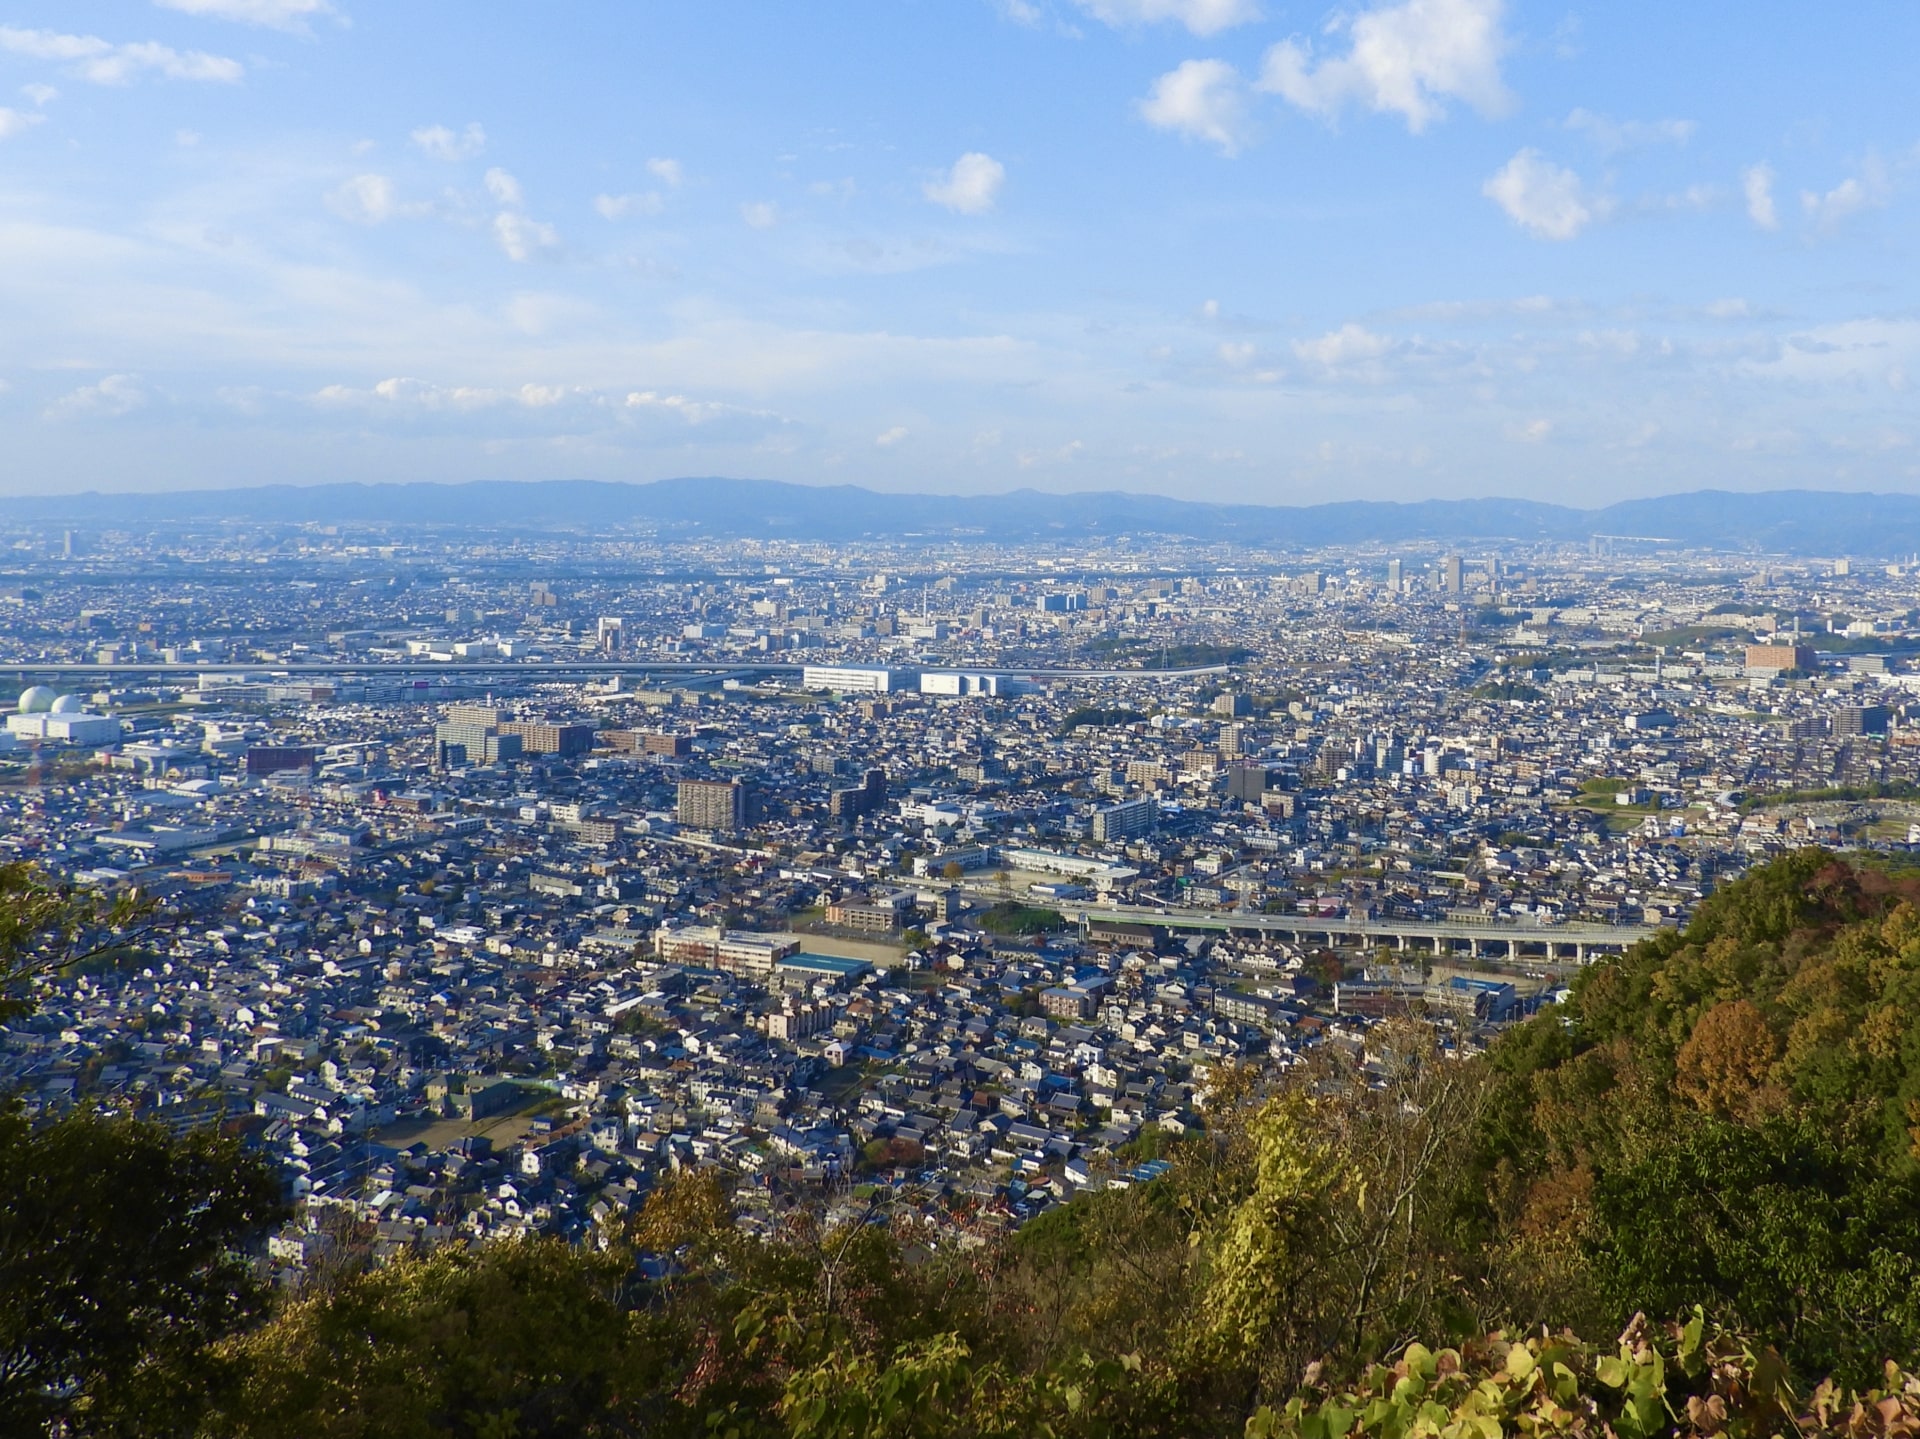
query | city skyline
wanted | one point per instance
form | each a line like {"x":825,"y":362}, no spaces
{"x":1211,"y":248}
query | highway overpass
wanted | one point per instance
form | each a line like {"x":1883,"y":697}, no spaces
{"x":527,"y":669}
{"x":1508,"y":940}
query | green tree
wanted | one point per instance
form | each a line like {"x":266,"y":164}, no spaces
{"x":509,"y":1341}
{"x":1792,"y":1229}
{"x":47,"y":926}
{"x":120,"y":1269}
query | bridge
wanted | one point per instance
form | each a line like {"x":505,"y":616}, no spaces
{"x":532,"y":669}
{"x":1509,"y":940}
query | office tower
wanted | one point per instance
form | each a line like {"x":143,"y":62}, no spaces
{"x":1396,"y":581}
{"x":1451,"y":575}
{"x":719,"y":805}
{"x":610,"y":636}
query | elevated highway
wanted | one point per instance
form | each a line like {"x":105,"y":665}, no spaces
{"x":529,"y":669}
{"x":1508,"y":940}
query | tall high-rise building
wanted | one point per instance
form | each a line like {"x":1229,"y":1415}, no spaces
{"x":1396,"y":577}
{"x":471,"y":734}
{"x":1860,"y":719}
{"x":1451,"y":575}
{"x":713,"y":804}
{"x":1246,"y":782}
{"x":1125,"y":820}
{"x":864,"y":798}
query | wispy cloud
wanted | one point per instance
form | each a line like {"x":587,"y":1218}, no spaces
{"x":288,"y":15}
{"x":437,"y":142}
{"x":1756,"y":184}
{"x":105,"y":63}
{"x":1202,"y":17}
{"x":1866,"y":191}
{"x":111,"y":395}
{"x":17,"y":122}
{"x":1612,"y":136}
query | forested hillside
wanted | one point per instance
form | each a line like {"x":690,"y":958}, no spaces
{"x":1717,"y":1133}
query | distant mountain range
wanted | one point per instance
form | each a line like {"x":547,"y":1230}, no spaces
{"x":1806,"y":522}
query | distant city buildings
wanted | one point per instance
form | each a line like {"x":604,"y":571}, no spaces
{"x":496,"y":913}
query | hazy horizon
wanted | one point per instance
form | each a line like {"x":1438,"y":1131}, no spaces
{"x":1228,"y":250}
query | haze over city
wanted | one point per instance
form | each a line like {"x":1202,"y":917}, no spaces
{"x":1234,"y":249}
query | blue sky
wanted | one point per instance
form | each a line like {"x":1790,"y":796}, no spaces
{"x":1237,"y":249}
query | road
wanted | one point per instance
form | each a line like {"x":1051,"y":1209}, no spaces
{"x":533,"y":669}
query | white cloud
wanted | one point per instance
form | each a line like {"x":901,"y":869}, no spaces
{"x":1409,"y":58}
{"x":1202,"y":17}
{"x":970,"y":187}
{"x":503,"y":187}
{"x":1613,"y":136}
{"x":1543,"y":198}
{"x":694,"y":412}
{"x":1756,"y":182}
{"x":612,"y":207}
{"x":887,"y":439}
{"x":1200,"y":99}
{"x":365,"y":200}
{"x":522,"y":238}
{"x":113,"y":395}
{"x":107,"y":64}
{"x":1533,"y":432}
{"x":40,"y":94}
{"x":1348,"y":345}
{"x":437,"y":142}
{"x":274,"y":14}
{"x":1865,"y":191}
{"x":17,"y":122}
{"x":761,"y":214}
{"x":667,"y":172}
{"x":403,"y":391}
{"x":1021,"y":12}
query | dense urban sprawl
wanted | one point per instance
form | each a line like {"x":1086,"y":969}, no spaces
{"x":501,"y":875}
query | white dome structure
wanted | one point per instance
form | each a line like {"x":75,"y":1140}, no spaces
{"x":68,"y":705}
{"x":37,"y":701}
